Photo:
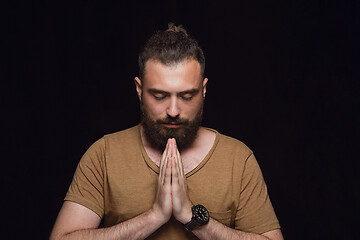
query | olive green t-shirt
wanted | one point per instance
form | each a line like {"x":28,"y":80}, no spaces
{"x":117,"y":180}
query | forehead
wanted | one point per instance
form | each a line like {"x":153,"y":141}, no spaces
{"x":178,"y":76}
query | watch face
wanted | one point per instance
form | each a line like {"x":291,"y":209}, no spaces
{"x":201,"y":213}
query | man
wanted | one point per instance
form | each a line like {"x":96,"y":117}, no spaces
{"x":168,"y":178}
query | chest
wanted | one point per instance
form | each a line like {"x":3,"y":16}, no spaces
{"x":130,"y":188}
{"x":190,"y":160}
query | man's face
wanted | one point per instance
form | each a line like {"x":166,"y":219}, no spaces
{"x":171,"y":101}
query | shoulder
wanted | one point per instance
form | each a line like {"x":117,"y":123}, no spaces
{"x":133,"y":131}
{"x":230,"y":144}
{"x":113,"y":141}
{"x":122,"y":143}
{"x":125,"y":136}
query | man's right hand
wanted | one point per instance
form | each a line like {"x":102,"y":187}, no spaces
{"x":162,"y":206}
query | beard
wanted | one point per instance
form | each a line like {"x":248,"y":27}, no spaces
{"x":157,"y":134}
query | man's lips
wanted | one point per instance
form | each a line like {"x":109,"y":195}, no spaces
{"x":172,"y":125}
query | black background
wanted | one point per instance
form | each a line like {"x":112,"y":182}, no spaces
{"x":282,"y":79}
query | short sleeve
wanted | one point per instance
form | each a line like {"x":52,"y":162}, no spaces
{"x":255,"y":212}
{"x":87,"y":187}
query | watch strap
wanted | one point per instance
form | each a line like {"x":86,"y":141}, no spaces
{"x":193,"y":224}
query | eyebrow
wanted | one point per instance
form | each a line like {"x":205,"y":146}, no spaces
{"x":190,"y":91}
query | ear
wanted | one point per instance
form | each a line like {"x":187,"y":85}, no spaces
{"x":138,"y":87}
{"x":204,"y":86}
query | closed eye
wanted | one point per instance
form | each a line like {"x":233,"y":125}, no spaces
{"x":159,"y":96}
{"x":187,"y":97}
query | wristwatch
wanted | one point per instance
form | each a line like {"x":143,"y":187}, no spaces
{"x":199,"y":218}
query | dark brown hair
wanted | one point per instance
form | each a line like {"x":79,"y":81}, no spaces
{"x":169,"y":47}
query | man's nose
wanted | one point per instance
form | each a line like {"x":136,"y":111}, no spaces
{"x":173,"y":108}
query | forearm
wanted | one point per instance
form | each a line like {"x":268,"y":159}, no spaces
{"x":214,"y":230}
{"x":138,"y":227}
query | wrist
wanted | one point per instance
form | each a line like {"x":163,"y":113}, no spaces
{"x":186,"y":216}
{"x":157,"y":216}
